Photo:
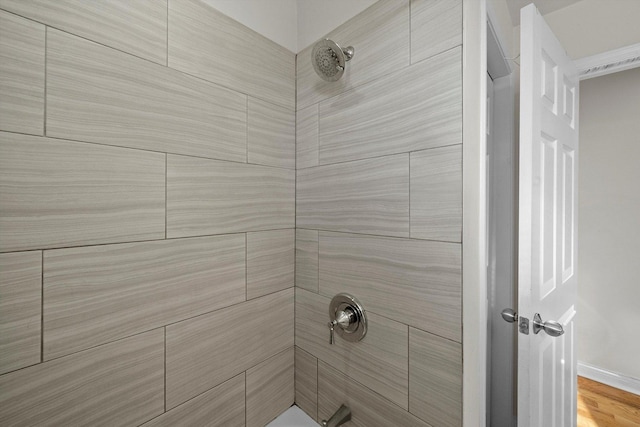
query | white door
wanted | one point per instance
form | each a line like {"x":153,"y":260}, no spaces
{"x":547,"y":284}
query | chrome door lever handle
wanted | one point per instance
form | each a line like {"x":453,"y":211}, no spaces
{"x":509,"y":315}
{"x":551,"y":327}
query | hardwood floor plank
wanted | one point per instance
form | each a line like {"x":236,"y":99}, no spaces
{"x":600,"y":405}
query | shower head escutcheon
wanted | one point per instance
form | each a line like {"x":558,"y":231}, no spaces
{"x":329,"y":59}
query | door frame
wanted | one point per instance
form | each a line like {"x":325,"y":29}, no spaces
{"x":474,"y":192}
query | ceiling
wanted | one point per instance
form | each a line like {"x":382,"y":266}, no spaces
{"x":544,"y":6}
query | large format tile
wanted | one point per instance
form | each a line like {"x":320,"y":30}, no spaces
{"x":307,"y":382}
{"x":138,"y":27}
{"x":436,"y":26}
{"x":307,"y":259}
{"x":272,"y":135}
{"x":436,"y":194}
{"x":94,"y":295}
{"x":22,"y":70}
{"x":101,"y":95}
{"x":222,"y":406}
{"x":435,"y":379}
{"x":380,"y":36}
{"x":20,"y":303}
{"x":209,"y":349}
{"x":307,"y":137}
{"x":415,"y":108}
{"x":270,"y":262}
{"x":367,"y":196}
{"x":212,"y":197}
{"x":368,"y":409}
{"x":121,"y":383}
{"x":416,"y":282}
{"x":270,"y":388}
{"x":379,"y":361}
{"x":58,"y":193}
{"x":210,"y":45}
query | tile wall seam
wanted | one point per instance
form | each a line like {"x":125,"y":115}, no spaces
{"x":165,"y":369}
{"x":288,"y":107}
{"x":41,"y":306}
{"x":386,"y":236}
{"x":382,"y":76}
{"x":84,"y":38}
{"x":364,"y":386}
{"x":44,"y":107}
{"x":165,"y":325}
{"x":342,"y":162}
{"x":386,"y":317}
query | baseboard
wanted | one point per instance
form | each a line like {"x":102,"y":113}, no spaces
{"x":613,"y":379}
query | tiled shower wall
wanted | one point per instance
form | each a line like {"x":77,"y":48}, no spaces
{"x":147,"y":214}
{"x":379,"y":216}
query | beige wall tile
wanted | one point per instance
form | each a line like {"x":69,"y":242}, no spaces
{"x":367,"y":196}
{"x":380,"y":36}
{"x":415,"y":108}
{"x":436,"y":194}
{"x":209,"y":349}
{"x":121,"y":383}
{"x":222,"y":406}
{"x":94,"y":295}
{"x":210,"y":45}
{"x":139,"y":27}
{"x":307,"y":259}
{"x":22,"y":69}
{"x":379,"y":361}
{"x":59,"y":193}
{"x":307,"y":137}
{"x":212,"y":197}
{"x":416,"y":282}
{"x":436,"y":25}
{"x":20,"y":303}
{"x":368,"y":409}
{"x":307,"y":383}
{"x":270,"y":388}
{"x":272,"y":134}
{"x":101,"y":95}
{"x":435,"y":379}
{"x":270,"y":262}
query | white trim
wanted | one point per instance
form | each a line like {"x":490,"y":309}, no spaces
{"x":474,"y":276}
{"x":609,"y":62}
{"x":613,"y":379}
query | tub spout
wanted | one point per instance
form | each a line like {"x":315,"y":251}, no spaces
{"x":341,"y":416}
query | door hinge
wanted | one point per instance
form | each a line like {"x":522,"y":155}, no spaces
{"x":523,"y":325}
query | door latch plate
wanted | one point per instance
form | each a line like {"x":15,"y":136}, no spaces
{"x":523,"y":325}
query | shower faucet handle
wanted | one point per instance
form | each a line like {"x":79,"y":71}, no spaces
{"x":332,"y":325}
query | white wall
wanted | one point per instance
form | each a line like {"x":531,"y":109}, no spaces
{"x":608,"y":333}
{"x":294,"y":24}
{"x":274,"y":19}
{"x":318,"y":17}
{"x":589,"y":27}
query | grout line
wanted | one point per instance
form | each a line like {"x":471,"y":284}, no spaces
{"x":167,"y":324}
{"x":41,"y":306}
{"x":165,"y":369}
{"x":144,"y":150}
{"x":382,"y":236}
{"x":44,"y":119}
{"x":246,"y":266}
{"x":166,"y":192}
{"x":141,"y":241}
{"x":380,"y":156}
{"x":246,"y":131}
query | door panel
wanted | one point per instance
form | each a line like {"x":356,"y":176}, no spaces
{"x":547,"y":235}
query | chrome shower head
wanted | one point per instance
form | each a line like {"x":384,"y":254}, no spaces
{"x":329,"y":59}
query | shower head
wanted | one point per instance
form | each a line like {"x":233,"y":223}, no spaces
{"x":329,"y":59}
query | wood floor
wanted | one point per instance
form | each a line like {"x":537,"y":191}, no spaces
{"x":602,"y":406}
